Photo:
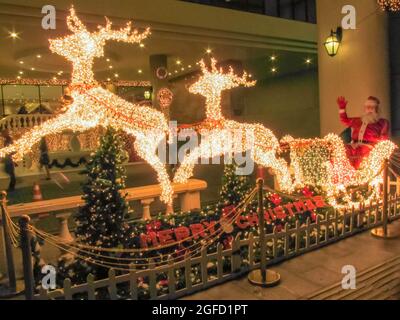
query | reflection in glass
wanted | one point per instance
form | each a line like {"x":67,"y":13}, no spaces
{"x":19,"y":98}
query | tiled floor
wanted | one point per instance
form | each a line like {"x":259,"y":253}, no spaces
{"x":311,"y":272}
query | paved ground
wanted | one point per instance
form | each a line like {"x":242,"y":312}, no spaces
{"x":312,"y":272}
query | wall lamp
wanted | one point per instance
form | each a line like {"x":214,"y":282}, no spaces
{"x":333,"y":42}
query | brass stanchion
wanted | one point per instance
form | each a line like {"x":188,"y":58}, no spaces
{"x":263,"y":277}
{"x":386,"y":231}
{"x":27,"y":257}
{"x":11,"y":289}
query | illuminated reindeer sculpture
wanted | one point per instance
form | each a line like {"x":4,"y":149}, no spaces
{"x":94,"y":106}
{"x":224,"y":136}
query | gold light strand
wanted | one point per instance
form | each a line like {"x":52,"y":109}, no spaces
{"x":63,"y":82}
{"x":221,"y":136}
{"x":390,"y":5}
{"x":330,"y":163}
{"x":94,"y":106}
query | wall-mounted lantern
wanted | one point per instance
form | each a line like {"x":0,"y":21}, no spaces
{"x":333,"y":42}
{"x":147,"y":95}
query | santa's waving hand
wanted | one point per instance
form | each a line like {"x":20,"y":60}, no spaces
{"x":367,"y":130}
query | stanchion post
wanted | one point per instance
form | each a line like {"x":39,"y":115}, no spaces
{"x":263,"y":277}
{"x":385,"y":197}
{"x":12,"y":282}
{"x":261,"y":219}
{"x":385,"y":232}
{"x":27,"y":257}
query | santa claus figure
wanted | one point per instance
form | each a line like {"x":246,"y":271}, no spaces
{"x":367,"y":130}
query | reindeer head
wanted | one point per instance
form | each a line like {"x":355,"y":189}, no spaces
{"x":83,"y":46}
{"x":214,"y":81}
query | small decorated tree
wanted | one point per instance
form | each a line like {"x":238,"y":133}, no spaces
{"x":234,"y":187}
{"x":100,"y":221}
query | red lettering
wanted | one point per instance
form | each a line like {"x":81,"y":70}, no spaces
{"x":253,"y":220}
{"x":280,"y":213}
{"x":242,"y":223}
{"x":320,"y":202}
{"x":289,"y":208}
{"x":272,"y":215}
{"x":182,"y":233}
{"x":210,"y":226}
{"x":149,"y":238}
{"x":165,"y":236}
{"x":300,"y":207}
{"x":197,"y":230}
{"x":310,"y":205}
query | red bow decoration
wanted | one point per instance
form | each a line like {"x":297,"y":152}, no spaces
{"x":227,"y":242}
{"x":153,"y":226}
{"x":307,"y":192}
{"x":229,"y":212}
{"x":163,"y":283}
{"x":275,"y":199}
{"x":313,"y":216}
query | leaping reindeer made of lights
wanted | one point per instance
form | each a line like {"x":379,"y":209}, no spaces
{"x":218,"y":139}
{"x":94,"y":106}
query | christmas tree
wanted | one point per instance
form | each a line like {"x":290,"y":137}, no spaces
{"x":100,"y":221}
{"x":234,"y":187}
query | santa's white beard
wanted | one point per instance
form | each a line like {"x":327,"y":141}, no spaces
{"x":369,"y":118}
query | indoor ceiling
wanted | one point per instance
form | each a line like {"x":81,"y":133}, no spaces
{"x":24,"y":53}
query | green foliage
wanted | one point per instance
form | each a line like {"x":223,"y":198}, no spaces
{"x":234,"y":187}
{"x":100,"y":221}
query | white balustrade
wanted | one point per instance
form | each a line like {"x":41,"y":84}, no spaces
{"x":25,"y":121}
{"x":189,"y":194}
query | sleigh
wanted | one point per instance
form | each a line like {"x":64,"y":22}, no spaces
{"x":324,"y":163}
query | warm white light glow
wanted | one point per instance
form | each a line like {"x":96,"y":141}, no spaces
{"x":94,"y":106}
{"x":14,"y":35}
{"x":218,"y":132}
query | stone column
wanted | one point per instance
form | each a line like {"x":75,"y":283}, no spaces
{"x":190,"y":200}
{"x":146,"y":208}
{"x":64,"y":233}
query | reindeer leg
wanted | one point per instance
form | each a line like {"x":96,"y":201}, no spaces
{"x":185,"y":170}
{"x":56,"y":125}
{"x":147,"y":150}
{"x":204,"y":150}
{"x":279,"y":166}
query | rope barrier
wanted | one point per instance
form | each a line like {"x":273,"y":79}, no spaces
{"x":69,"y":248}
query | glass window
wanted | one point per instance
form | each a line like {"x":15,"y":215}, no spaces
{"x":133,"y":94}
{"x":50,"y":98}
{"x":20,"y":99}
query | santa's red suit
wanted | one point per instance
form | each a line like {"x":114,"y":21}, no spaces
{"x":365,"y":134}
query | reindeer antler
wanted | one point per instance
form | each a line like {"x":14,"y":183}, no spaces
{"x":234,"y":78}
{"x":243,"y":80}
{"x":124,"y":34}
{"x":73,"y":22}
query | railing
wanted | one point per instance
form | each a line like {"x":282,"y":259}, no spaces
{"x":223,"y":265}
{"x":26,"y":121}
{"x":62,"y":208}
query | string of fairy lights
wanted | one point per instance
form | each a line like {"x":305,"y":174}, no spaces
{"x":97,"y":255}
{"x":93,"y":106}
{"x":323,"y":162}
{"x":390,"y":5}
{"x":221,"y":136}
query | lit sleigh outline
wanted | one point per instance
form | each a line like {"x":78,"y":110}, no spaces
{"x":334,"y":171}
{"x":94,"y":106}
